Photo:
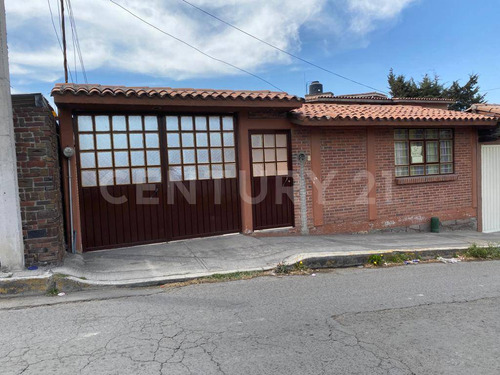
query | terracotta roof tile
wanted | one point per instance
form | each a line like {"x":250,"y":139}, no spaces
{"x":485,"y":109}
{"x":370,"y":97}
{"x":331,"y":112}
{"x":168,"y":92}
{"x":421,"y":99}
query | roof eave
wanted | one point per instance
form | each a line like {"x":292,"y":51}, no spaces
{"x":72,"y":100}
{"x":342,"y":122}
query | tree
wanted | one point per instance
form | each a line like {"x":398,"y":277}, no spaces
{"x":463,"y":95}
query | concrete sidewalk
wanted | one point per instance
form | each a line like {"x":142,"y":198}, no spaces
{"x":201,"y":257}
{"x":183,"y":260}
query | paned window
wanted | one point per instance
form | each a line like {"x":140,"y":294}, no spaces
{"x":118,"y":150}
{"x":423,"y":152}
{"x":269,"y":154}
{"x":200,"y":147}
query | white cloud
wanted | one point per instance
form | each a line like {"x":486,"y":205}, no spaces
{"x":366,"y":13}
{"x":112,"y":39}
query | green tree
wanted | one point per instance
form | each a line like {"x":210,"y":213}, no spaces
{"x":463,"y":95}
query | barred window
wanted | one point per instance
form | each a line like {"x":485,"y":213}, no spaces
{"x":200,"y":147}
{"x":423,"y":152}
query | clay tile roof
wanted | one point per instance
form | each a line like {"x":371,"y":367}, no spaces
{"x":485,"y":109}
{"x":371,"y":97}
{"x":168,"y":92}
{"x":330,"y":112}
{"x":441,"y":100}
{"x":365,"y":95}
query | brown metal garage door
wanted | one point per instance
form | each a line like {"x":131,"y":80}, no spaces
{"x":145,"y":179}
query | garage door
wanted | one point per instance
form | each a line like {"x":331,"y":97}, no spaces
{"x":146,"y":179}
{"x":490,"y":170}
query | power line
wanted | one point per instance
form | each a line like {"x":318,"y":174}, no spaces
{"x":55,"y":29}
{"x":74,"y":47}
{"x":54,"y":25}
{"x":496,"y":88}
{"x":76,"y":39}
{"x":196,"y":48}
{"x":280,"y":49}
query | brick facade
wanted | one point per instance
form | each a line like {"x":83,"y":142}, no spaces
{"x":39,"y":179}
{"x":409,"y":206}
{"x":405,"y":205}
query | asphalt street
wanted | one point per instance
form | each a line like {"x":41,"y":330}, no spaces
{"x":423,"y":319}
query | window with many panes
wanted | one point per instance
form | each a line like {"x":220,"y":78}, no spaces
{"x":200,"y":147}
{"x":423,"y":152}
{"x":269,"y":155}
{"x":118,"y":150}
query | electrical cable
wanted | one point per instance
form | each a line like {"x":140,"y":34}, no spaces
{"x":55,"y":29}
{"x":280,"y":49}
{"x":195,"y":48}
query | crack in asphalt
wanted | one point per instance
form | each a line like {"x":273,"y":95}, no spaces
{"x":181,"y":333}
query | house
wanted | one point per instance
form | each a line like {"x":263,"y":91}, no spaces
{"x":162,"y":164}
{"x":489,"y":159}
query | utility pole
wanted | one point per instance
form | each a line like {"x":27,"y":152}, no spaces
{"x":63,"y":27}
{"x":11,"y":235}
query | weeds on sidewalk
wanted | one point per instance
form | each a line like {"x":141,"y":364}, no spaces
{"x":52,"y":292}
{"x":282,"y":269}
{"x":218,"y":277}
{"x":392,"y":258}
{"x":376,"y":259}
{"x":233,"y":276}
{"x":492,"y":251}
{"x":298,"y":268}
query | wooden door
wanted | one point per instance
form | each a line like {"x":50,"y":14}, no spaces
{"x":272,"y":181}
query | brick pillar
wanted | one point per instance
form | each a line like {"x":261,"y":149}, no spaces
{"x":39,"y":179}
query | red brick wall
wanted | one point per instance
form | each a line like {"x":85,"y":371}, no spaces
{"x":39,"y":181}
{"x":400,"y":205}
{"x":343,"y":161}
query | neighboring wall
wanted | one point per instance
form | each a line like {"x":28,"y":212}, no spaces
{"x":39,"y":179}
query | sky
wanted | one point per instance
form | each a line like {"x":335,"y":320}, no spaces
{"x":359,"y":39}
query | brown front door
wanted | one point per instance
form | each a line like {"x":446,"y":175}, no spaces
{"x":272,"y":181}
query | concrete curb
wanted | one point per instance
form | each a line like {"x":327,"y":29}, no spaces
{"x":71,"y":281}
{"x":354,"y":259}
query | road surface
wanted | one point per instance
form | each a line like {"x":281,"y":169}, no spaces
{"x":423,"y":319}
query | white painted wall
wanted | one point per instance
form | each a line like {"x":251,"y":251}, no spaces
{"x":490,"y":186}
{"x":11,"y":238}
